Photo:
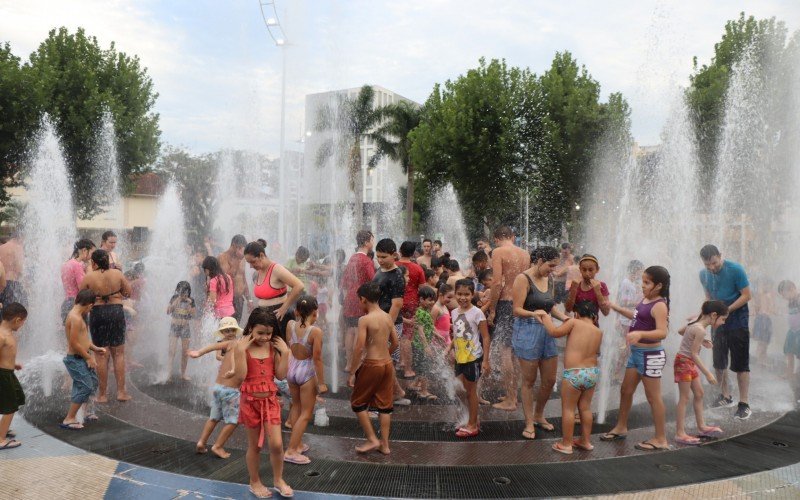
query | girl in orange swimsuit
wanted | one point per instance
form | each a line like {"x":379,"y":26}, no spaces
{"x":260,"y":357}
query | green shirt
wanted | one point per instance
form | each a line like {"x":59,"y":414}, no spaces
{"x":423,"y":319}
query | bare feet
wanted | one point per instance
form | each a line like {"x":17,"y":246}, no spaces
{"x":123,"y":396}
{"x":369,"y":446}
{"x":384,"y":449}
{"x":220,"y":452}
{"x":259,"y":490}
{"x":506,"y":405}
{"x":101,"y":399}
{"x":200,"y":448}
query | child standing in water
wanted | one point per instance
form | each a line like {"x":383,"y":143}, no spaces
{"x":588,"y":288}
{"x":79,"y":361}
{"x":687,"y":375}
{"x":182,"y":309}
{"x":647,"y":359}
{"x":261,"y":355}
{"x":470,"y":342}
{"x":225,"y":395}
{"x":580,"y":372}
{"x":306,"y":376}
{"x":791,"y":347}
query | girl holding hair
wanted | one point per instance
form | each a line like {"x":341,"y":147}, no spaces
{"x":647,"y":358}
{"x":536,"y":351}
{"x":687,"y":375}
{"x":220,"y":288}
{"x":306,"y":375}
{"x":261,"y":356}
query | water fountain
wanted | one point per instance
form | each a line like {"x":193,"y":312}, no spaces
{"x":49,"y":234}
{"x":447,"y":224}
{"x":107,"y":180}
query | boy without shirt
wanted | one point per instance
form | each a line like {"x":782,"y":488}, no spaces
{"x":373,"y":378}
{"x":79,"y":361}
{"x":11,"y":395}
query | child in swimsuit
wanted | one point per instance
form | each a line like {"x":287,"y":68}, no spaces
{"x":260,"y":356}
{"x":647,"y":358}
{"x":182,"y":309}
{"x":225,"y":396}
{"x":687,"y":374}
{"x":306,"y":375}
{"x":440,"y":313}
{"x":580,"y":372}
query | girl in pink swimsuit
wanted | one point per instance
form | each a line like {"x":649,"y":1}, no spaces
{"x":306,"y":376}
{"x":441,"y":313}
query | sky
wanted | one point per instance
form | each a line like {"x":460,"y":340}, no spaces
{"x":218,"y":73}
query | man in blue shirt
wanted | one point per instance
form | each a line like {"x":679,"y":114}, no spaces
{"x":727,"y":281}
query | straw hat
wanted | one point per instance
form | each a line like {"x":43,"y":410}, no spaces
{"x":227,"y":323}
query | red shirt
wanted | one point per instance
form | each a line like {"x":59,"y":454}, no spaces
{"x":359,"y":270}
{"x":416,"y":278}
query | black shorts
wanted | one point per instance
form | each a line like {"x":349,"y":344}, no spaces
{"x":284,"y":323}
{"x":107,"y":325}
{"x":238,"y":308}
{"x":351,"y":322}
{"x":503,"y":323}
{"x":734,"y":342}
{"x":471,"y":370}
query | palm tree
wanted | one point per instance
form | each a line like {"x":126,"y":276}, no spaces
{"x":351,"y":119}
{"x":392,"y":140}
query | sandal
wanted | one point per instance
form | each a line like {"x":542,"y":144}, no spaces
{"x":688,"y":441}
{"x":285,"y":492}
{"x":298,"y":460}
{"x":557,"y":447}
{"x":305,"y":448}
{"x":529,"y":434}
{"x":648,"y":446}
{"x":710,"y":431}
{"x":10,"y":444}
{"x":577,"y":444}
{"x":545,"y":426}
{"x":612,"y":436}
{"x":268,"y":494}
{"x":72,"y":426}
{"x":464,"y":433}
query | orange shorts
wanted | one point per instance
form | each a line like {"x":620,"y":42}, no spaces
{"x":254,"y":411}
{"x":374,"y":387}
{"x":685,"y":369}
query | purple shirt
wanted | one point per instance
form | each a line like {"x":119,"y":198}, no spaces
{"x":644,"y":321}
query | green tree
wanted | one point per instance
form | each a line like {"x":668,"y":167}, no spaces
{"x":765,"y":39}
{"x":346,"y":123}
{"x":77,"y":80}
{"x":392,"y":139}
{"x":19,"y":118}
{"x":467,"y":137}
{"x":195,"y":177}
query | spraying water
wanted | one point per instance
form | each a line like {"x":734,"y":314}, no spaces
{"x":107,"y":178}
{"x":49,"y":234}
{"x":447,"y":223}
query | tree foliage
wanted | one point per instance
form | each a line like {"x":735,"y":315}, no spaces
{"x":765,"y":40}
{"x":74,"y":80}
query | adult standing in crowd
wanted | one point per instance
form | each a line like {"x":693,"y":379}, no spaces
{"x":726,"y":280}
{"x":275,"y":287}
{"x":232,"y":262}
{"x":425,"y":258}
{"x":108,"y":242}
{"x":359,"y":270}
{"x":508,"y":261}
{"x":107,"y":321}
{"x":72,"y":273}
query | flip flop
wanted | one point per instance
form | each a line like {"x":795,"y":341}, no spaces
{"x":577,"y":444}
{"x":529,"y":434}
{"x":252,"y":492}
{"x":689,"y":441}
{"x":648,"y":446}
{"x":612,"y":436}
{"x":711,"y":431}
{"x":464,"y":433}
{"x":72,"y":426}
{"x":305,"y":448}
{"x":11,"y":444}
{"x":557,"y":447}
{"x":545,"y":426}
{"x":301,"y":460}
{"x":280,"y":491}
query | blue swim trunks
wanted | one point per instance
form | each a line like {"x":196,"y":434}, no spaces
{"x":530,"y":341}
{"x":582,"y":379}
{"x":84,"y":379}
{"x":225,"y":404}
{"x":648,"y":361}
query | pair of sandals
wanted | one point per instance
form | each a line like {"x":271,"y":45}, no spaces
{"x":301,"y":460}
{"x":466,"y":433}
{"x":285,"y":492}
{"x":709,"y":432}
{"x":11,"y":443}
{"x":643,"y":446}
{"x":545,"y":426}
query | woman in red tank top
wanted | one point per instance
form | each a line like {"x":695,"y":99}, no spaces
{"x":260,"y":356}
{"x":275,"y":287}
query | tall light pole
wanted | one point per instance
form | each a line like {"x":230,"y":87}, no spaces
{"x":278,"y":36}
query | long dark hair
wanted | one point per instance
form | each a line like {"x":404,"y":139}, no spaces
{"x":100,"y":257}
{"x":660,"y":276}
{"x":265,"y":317}
{"x":711,"y":307}
{"x":82,"y":244}
{"x":211,"y":264}
{"x":545,"y":253}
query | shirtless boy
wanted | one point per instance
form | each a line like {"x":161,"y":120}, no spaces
{"x":225,"y":395}
{"x":79,"y":361}
{"x":372,"y":379}
{"x":580,"y":372}
{"x":11,"y":395}
{"x":508,"y":260}
{"x":425,"y":258}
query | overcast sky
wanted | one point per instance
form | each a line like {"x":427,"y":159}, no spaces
{"x":218,"y":72}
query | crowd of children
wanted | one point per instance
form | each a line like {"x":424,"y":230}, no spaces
{"x":410,"y":316}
